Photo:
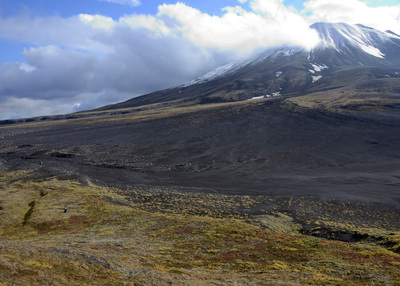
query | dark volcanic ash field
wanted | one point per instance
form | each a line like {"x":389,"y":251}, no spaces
{"x":267,"y":147}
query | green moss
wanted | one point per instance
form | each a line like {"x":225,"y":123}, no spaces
{"x":104,"y":239}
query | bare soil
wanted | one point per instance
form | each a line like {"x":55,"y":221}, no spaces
{"x":269,"y":148}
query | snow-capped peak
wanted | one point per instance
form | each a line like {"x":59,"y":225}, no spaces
{"x":339,"y":35}
{"x":341,"y":44}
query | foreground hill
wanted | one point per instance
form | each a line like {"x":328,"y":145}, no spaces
{"x":105,"y":239}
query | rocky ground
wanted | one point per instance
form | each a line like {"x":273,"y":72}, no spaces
{"x":261,"y":192}
{"x":269,"y":147}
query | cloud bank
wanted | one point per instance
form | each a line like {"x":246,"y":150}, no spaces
{"x":354,"y":12}
{"x":87,"y":61}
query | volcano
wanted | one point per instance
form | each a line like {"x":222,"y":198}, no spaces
{"x":287,"y":122}
{"x":348,"y":58}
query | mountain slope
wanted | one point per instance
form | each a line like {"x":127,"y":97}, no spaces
{"x":348,"y":57}
{"x":356,"y":45}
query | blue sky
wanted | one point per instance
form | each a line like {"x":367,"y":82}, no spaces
{"x":115,"y":10}
{"x":61,"y":56}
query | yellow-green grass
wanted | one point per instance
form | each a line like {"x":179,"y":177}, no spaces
{"x":104,"y":239}
{"x":347,"y":101}
{"x":134,"y":114}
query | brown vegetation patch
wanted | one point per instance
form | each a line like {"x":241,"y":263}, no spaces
{"x":104,"y":240}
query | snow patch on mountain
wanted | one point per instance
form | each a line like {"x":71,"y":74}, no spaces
{"x":392,"y":34}
{"x":373,"y":51}
{"x":315,"y":78}
{"x":340,"y":35}
{"x":288,"y":51}
{"x":272,"y":53}
{"x":319,"y":68}
{"x":278,"y":74}
{"x":212,"y":74}
{"x":257,"y":97}
{"x":274,"y":94}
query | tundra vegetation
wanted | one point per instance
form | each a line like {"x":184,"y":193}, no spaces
{"x":159,"y":236}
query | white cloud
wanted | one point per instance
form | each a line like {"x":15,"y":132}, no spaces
{"x":70,"y":32}
{"x":97,"y":21}
{"x":26,"y":68}
{"x":270,"y":23}
{"x":354,"y":12}
{"x":12,"y":107}
{"x":56,"y":72}
{"x":132,"y":56}
{"x":148,"y":22}
{"x":132,"y":3}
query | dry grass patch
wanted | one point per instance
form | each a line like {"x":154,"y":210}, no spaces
{"x":104,"y":240}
